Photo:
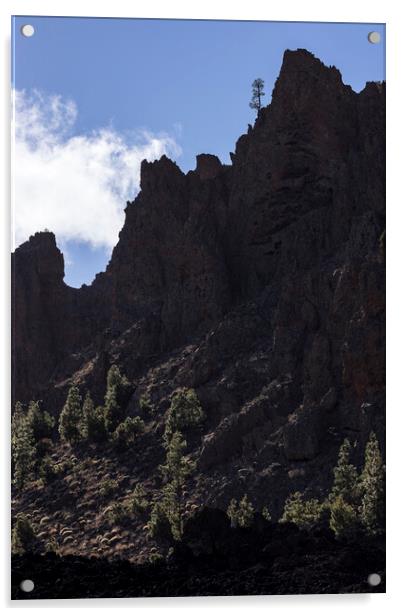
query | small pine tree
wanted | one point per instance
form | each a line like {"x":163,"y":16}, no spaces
{"x":345,"y":476}
{"x":185,"y":412}
{"x":23,"y":448}
{"x":48,"y":470}
{"x":242,"y":513}
{"x":266,"y":514}
{"x":344,"y":520}
{"x":175,"y":471}
{"x":71,"y":417}
{"x":92,"y":426}
{"x":372,"y":485}
{"x":146,"y":405}
{"x":22,"y":536}
{"x":42,"y":423}
{"x":137,"y":503}
{"x":118,"y":390}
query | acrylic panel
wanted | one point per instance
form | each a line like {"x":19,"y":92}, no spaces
{"x":198,"y":308}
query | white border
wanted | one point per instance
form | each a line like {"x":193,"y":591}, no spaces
{"x":287,"y":10}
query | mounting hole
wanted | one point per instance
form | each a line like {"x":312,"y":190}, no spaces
{"x":27,"y":585}
{"x":374,"y":579}
{"x":374,"y":37}
{"x":27,"y":30}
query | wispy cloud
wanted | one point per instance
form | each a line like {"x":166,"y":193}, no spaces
{"x":74,"y":185}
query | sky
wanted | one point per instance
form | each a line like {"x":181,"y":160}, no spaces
{"x":93,"y":97}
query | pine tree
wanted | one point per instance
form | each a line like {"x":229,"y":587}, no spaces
{"x":23,"y":448}
{"x":71,"y":417}
{"x":345,"y":476}
{"x":372,"y":484}
{"x":185,"y":412}
{"x":344,"y":520}
{"x":117,"y":394}
{"x":175,"y":471}
{"x":42,"y":423}
{"x":257,"y":93}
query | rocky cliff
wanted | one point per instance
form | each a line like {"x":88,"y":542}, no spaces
{"x":260,"y":284}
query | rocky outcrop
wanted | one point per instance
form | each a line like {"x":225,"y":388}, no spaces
{"x":272,"y":269}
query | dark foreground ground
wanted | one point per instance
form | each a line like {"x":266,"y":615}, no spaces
{"x":214,"y":560}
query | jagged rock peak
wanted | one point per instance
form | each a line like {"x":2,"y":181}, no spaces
{"x":42,"y":254}
{"x":159,"y":171}
{"x":208,"y":166}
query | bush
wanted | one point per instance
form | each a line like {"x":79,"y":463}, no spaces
{"x":372,"y":486}
{"x":344,"y":520}
{"x":107,"y":487}
{"x":70,"y":417}
{"x":304,"y":513}
{"x":117,"y":513}
{"x":137,"y":503}
{"x":185,"y":412}
{"x":159,"y":523}
{"x":23,"y":535}
{"x":118,"y":390}
{"x":242,"y":513}
{"x":127,"y":432}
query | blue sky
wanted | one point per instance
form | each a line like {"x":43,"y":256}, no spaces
{"x":115,"y":90}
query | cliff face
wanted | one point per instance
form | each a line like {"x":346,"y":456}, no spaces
{"x":261,"y":284}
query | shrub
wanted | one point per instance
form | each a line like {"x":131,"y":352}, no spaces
{"x":94,"y":424}
{"x":118,"y":391}
{"x":23,"y":449}
{"x":48,"y":471}
{"x":127,"y":432}
{"x":107,"y":487}
{"x":23,"y":535}
{"x":137,"y":503}
{"x":266,"y":514}
{"x":372,"y":486}
{"x":146,"y":405}
{"x":185,"y":412}
{"x":304,"y":513}
{"x":345,"y":476}
{"x":344,"y":520}
{"x":70,"y":417}
{"x":242,"y":513}
{"x":117,"y":513}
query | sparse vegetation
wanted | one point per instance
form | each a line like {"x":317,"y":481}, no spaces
{"x":48,"y":471}
{"x":107,"y":487}
{"x":241,"y":513}
{"x":266,"y":514}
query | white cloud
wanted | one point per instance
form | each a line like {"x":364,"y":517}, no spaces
{"x":74,"y":185}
